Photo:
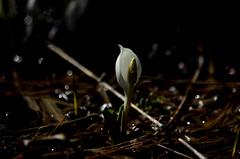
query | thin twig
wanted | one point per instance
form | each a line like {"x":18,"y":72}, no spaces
{"x":148,"y":79}
{"x":198,"y":154}
{"x":55,"y":124}
{"x":52,"y":108}
{"x":68,"y":58}
{"x":89,"y":73}
{"x":193,"y":80}
{"x":102,"y":91}
{"x":136,"y":143}
{"x":174,"y":151}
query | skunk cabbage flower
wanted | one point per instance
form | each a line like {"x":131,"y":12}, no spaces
{"x":128,"y":70}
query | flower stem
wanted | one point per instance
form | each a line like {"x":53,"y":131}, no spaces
{"x":126,"y":108}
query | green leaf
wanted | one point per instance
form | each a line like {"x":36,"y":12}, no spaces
{"x":75,"y":102}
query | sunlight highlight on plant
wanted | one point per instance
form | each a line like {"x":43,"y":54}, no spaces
{"x":128,"y":70}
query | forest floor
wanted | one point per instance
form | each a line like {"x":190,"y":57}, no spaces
{"x":75,"y":116}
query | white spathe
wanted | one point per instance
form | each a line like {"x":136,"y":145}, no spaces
{"x":122,"y":67}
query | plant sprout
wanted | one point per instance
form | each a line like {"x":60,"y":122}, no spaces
{"x":128,"y":70}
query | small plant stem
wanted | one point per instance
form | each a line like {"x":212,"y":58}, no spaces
{"x":126,"y":108}
{"x":235,"y":145}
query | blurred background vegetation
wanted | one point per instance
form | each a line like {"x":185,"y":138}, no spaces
{"x":167,"y":37}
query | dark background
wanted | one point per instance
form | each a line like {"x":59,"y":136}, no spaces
{"x":178,"y":30}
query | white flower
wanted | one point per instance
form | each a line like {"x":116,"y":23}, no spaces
{"x":128,"y":68}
